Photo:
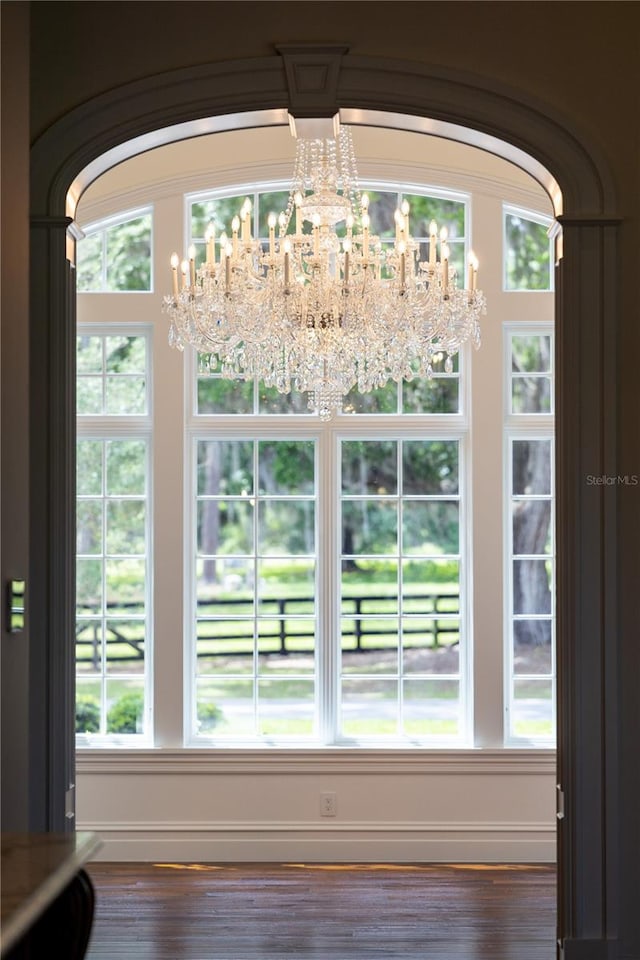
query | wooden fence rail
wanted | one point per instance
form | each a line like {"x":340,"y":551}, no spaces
{"x":437,"y":618}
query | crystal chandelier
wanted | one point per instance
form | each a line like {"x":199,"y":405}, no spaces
{"x":311,"y":311}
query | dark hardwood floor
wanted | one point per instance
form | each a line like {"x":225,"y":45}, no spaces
{"x":332,"y":912}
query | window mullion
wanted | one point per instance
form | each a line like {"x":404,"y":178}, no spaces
{"x":327,"y":550}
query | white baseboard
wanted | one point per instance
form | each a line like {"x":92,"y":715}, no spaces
{"x":320,"y":843}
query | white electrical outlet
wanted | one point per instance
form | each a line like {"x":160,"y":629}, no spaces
{"x":328,"y":804}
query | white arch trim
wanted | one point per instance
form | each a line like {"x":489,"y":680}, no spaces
{"x":279,"y":117}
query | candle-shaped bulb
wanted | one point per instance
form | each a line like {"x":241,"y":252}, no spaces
{"x":184,"y":269}
{"x":235,"y":224}
{"x":192,"y":265}
{"x":346,"y":246}
{"x":271,"y":220}
{"x":365,"y":236}
{"x":364,"y":201}
{"x":175,"y":260}
{"x":444,"y":233}
{"x":445,"y":251}
{"x":402,"y":248}
{"x":404,"y":208}
{"x":298,"y":202}
{"x":349,"y":224}
{"x":287,"y":262}
{"x":433,"y":239}
{"x":210,"y":237}
{"x":282,"y":223}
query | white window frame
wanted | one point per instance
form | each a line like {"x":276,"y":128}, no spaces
{"x":508,"y":210}
{"x":530,"y":426}
{"x":102,"y":227}
{"x":328,"y":437}
{"x":106,"y":427}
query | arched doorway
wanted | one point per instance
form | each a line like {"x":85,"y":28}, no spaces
{"x":131,"y":119}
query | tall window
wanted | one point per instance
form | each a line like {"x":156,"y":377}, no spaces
{"x":530,"y":557}
{"x":113,"y":584}
{"x":528,"y":251}
{"x":323,"y":595}
{"x":327,"y":560}
{"x":115,"y":255}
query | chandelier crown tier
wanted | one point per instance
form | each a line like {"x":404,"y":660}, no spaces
{"x":311,"y":310}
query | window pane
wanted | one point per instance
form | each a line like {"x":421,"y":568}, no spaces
{"x":225,"y":586}
{"x":125,"y":706}
{"x":532,"y":647}
{"x":369,"y":707}
{"x":431,"y":708}
{"x":531,"y":467}
{"x":286,"y":467}
{"x":89,"y":527}
{"x":88,"y":647}
{"x":532,"y":527}
{"x":225,"y":467}
{"x":274,"y":201}
{"x":439,"y":395}
{"x":382,"y":400}
{"x":225,"y":708}
{"x":126,"y":396}
{"x":89,"y":396}
{"x":446,"y":213}
{"x":382,"y":208}
{"x":220,"y":211}
{"x":125,"y":646}
{"x":225,"y":646}
{"x":370,"y":526}
{"x":129,"y":255}
{"x":89,"y":467}
{"x":126,"y":354}
{"x":125,"y":585}
{"x":286,"y":646}
{"x":286,"y":708}
{"x":236,"y":639}
{"x":532,"y":708}
{"x":528,"y":254}
{"x":369,"y":466}
{"x":272,"y":402}
{"x":88,"y":586}
{"x":89,"y":263}
{"x":531,"y":354}
{"x":430,"y":467}
{"x":369,"y":586}
{"x":531,"y":395}
{"x":216,"y":395}
{"x":126,"y":467}
{"x":89,"y":354}
{"x":430,"y":527}
{"x":126,"y":527}
{"x":532,"y":586}
{"x":88,"y":700}
{"x":287,"y":585}
{"x":430,"y":645}
{"x":225,"y":527}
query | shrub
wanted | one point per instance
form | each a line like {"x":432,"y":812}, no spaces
{"x":125,"y":716}
{"x":87,"y":714}
{"x":208,"y":716}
